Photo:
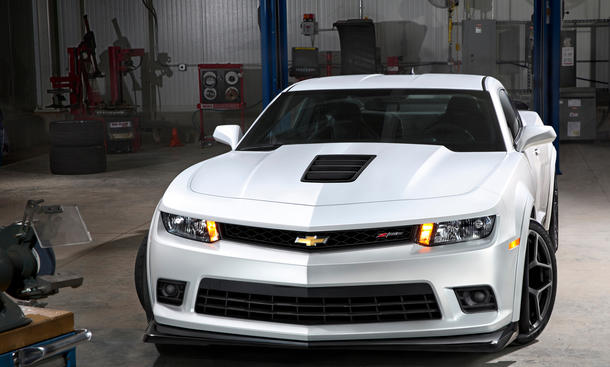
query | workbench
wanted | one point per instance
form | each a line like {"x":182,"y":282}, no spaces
{"x":50,"y":337}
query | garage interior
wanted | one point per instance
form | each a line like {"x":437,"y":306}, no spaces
{"x":147,"y":79}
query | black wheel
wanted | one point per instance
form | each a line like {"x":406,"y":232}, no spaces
{"x":554,"y":226}
{"x":77,"y":133}
{"x":77,"y":160}
{"x":45,"y":258}
{"x":141,"y":279}
{"x":539,"y":284}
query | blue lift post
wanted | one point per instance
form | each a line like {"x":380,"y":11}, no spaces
{"x":274,"y":52}
{"x":547,"y":30}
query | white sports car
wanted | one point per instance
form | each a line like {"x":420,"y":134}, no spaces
{"x":409,"y":211}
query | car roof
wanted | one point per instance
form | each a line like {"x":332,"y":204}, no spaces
{"x":380,"y":81}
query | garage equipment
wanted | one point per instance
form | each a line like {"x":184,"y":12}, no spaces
{"x":479,"y":47}
{"x":358,"y":46}
{"x":578,"y":114}
{"x":27,"y":261}
{"x":305,"y":63}
{"x":27,"y":272}
{"x":82,"y":68}
{"x":309,"y":27}
{"x":118,"y":117}
{"x":567,"y":68}
{"x":221,"y":88}
{"x":393,"y":65}
{"x":77,"y":147}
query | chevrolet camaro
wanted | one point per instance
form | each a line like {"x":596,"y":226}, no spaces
{"x":362,"y":211}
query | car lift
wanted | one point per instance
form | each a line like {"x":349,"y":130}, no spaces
{"x":547,"y":55}
{"x":274,"y":51}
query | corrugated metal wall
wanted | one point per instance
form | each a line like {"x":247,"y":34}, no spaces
{"x":210,"y":31}
{"x":194,"y":32}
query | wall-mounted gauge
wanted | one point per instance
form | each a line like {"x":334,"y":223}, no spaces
{"x":231,"y":77}
{"x":232,"y":94}
{"x":210,"y":94}
{"x":210,"y":79}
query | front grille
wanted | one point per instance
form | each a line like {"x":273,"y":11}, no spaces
{"x":334,"y":239}
{"x":336,"y":168}
{"x":319,"y":305}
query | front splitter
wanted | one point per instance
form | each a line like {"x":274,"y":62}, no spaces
{"x":487,"y":342}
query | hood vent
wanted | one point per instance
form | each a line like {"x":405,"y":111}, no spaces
{"x":336,"y":168}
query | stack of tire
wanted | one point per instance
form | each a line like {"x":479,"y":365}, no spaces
{"x":77,"y":147}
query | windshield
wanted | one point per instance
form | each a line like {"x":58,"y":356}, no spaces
{"x":462,"y":121}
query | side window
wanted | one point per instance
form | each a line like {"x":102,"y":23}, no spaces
{"x":512,"y":116}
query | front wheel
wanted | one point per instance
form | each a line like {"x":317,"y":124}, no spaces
{"x":539,"y":284}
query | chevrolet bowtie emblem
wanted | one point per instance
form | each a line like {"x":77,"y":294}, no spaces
{"x":311,"y":241}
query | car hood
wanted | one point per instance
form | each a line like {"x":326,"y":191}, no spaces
{"x":398,"y":172}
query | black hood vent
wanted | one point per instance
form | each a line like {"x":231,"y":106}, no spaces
{"x":336,"y":168}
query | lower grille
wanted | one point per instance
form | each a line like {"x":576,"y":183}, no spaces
{"x":317,"y":306}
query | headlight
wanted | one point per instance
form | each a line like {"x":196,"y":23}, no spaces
{"x":191,"y":228}
{"x":444,"y":233}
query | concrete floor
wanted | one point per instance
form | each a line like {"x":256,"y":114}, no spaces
{"x":117,"y":206}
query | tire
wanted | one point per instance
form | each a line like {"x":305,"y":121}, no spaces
{"x":77,"y":133}
{"x":77,"y":160}
{"x":172,"y":350}
{"x":539,"y":284}
{"x":554,"y":226}
{"x":141,"y":278}
{"x":169,"y":349}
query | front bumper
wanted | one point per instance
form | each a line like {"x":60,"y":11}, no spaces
{"x":487,"y":342}
{"x":485,"y":262}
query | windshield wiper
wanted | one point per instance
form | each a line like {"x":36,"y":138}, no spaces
{"x":262,"y":147}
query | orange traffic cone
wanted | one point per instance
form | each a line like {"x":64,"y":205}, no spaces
{"x":175,"y":142}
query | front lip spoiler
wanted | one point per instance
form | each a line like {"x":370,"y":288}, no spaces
{"x":488,"y":342}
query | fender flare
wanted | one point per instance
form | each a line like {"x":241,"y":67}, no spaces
{"x":549,"y":204}
{"x":518,"y":284}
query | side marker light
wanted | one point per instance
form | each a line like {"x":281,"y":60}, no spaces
{"x":514,"y":244}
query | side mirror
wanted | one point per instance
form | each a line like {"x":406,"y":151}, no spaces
{"x":228,"y":134}
{"x":530,"y":118}
{"x":533,"y":135}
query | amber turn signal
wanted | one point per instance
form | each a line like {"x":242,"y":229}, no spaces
{"x":514,"y":244}
{"x":426,"y":231}
{"x":212,"y":232}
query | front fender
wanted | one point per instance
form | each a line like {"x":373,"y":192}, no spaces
{"x":525,"y":213}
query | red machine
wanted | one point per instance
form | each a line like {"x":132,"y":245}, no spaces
{"x":120,"y":119}
{"x":83,"y":67}
{"x":221,"y":88}
{"x":119,"y":60}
